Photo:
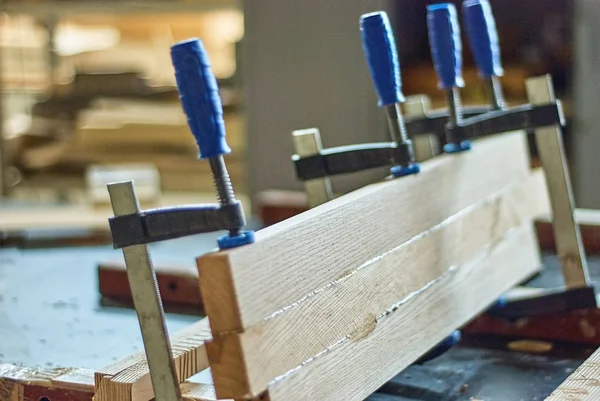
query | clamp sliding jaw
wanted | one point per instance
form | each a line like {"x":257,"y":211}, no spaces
{"x":162,"y":224}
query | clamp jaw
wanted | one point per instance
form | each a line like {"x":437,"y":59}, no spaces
{"x":166,"y":223}
{"x":481,"y":121}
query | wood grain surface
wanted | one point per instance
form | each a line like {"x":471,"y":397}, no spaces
{"x":244,"y":363}
{"x":310,"y":250}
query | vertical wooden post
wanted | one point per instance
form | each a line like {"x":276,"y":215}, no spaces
{"x":426,"y":146}
{"x":307,"y":142}
{"x":549,"y":142}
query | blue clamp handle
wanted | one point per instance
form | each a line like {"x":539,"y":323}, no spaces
{"x":379,"y":46}
{"x":483,"y":37}
{"x":199,"y":95}
{"x":445,"y":43}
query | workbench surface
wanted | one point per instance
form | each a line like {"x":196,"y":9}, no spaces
{"x":51,"y":315}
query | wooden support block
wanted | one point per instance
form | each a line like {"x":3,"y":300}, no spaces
{"x":552,"y":155}
{"x":129,"y":378}
{"x":307,"y":143}
{"x":581,"y":385}
{"x":177,"y":283}
{"x":576,"y":327}
{"x":277,"y":308}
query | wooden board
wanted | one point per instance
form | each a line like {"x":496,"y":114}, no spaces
{"x":266,"y":277}
{"x":179,"y":287}
{"x":247,"y":362}
{"x":275,"y":206}
{"x":358,"y":365}
{"x":581,"y":385}
{"x":327,"y":288}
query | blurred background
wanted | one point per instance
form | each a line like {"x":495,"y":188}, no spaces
{"x":88,"y":92}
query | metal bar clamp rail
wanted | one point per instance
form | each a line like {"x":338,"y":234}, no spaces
{"x":132,"y":229}
{"x":543,"y":115}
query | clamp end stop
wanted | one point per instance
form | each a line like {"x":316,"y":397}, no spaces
{"x":457,"y":147}
{"x":401,"y":171}
{"x":229,"y":242}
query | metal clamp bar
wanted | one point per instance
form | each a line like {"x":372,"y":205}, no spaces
{"x":435,"y":121}
{"x":147,"y":302}
{"x":513,"y":119}
{"x":545,"y":301}
{"x":161,"y":224}
{"x":349,"y":159}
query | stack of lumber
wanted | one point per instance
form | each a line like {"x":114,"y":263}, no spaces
{"x":127,"y":131}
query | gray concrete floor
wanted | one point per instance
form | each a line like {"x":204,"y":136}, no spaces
{"x":51,"y":313}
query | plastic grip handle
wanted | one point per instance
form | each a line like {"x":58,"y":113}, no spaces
{"x":483,"y":37}
{"x":445,"y":43}
{"x":380,"y":51}
{"x":199,"y":95}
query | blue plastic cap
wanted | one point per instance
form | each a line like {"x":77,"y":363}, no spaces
{"x":199,"y":94}
{"x":483,"y":37}
{"x":457,"y":147}
{"x":380,"y":50}
{"x":229,"y":242}
{"x":445,"y":43}
{"x":400,"y":171}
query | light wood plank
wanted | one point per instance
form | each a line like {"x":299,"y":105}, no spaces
{"x":581,"y":385}
{"x":308,"y":143}
{"x":569,"y":245}
{"x":129,"y":379}
{"x":358,"y":365}
{"x":244,"y":363}
{"x":426,"y":145}
{"x":305,"y":253}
